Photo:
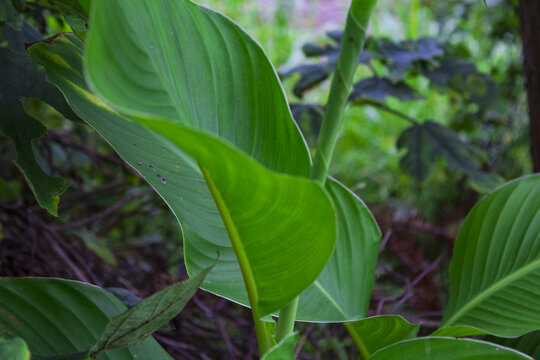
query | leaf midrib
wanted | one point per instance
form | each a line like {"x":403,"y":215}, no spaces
{"x":532,"y":266}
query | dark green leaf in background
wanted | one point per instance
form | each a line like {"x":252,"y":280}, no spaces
{"x":428,"y":141}
{"x":404,"y":55}
{"x":379,"y":88}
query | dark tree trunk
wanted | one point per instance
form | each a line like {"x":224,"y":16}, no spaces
{"x":529,"y":14}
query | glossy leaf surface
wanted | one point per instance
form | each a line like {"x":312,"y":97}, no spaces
{"x":374,"y":333}
{"x":495,"y":271}
{"x":438,"y":348}
{"x":60,"y":317}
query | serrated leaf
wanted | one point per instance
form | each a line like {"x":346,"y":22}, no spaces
{"x":495,"y":270}
{"x":440,"y":348}
{"x":60,"y":317}
{"x":140,"y":321}
{"x":428,"y":141}
{"x":374,"y":333}
{"x":379,"y":88}
{"x":14,"y":349}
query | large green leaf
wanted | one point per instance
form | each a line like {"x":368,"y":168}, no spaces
{"x":14,"y":349}
{"x":374,"y":333}
{"x":185,"y":190}
{"x":495,"y":271}
{"x":188,"y":196}
{"x":182,"y":62}
{"x":58,"y":317}
{"x":440,"y":348}
{"x":150,"y":315}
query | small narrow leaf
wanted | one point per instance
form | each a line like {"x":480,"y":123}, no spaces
{"x":374,"y":333}
{"x":149,"y":315}
{"x":440,"y":348}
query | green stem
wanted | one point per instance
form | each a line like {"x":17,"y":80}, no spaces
{"x":352,"y":44}
{"x":287,"y":315}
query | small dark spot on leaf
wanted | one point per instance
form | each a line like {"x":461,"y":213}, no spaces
{"x":152,"y":167}
{"x":139,"y":163}
{"x":351,"y":39}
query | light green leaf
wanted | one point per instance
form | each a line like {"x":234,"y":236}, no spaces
{"x":14,"y":349}
{"x":284,"y":350}
{"x":59,"y":317}
{"x":377,"y":332}
{"x":495,"y":271}
{"x":440,"y":348}
{"x":151,"y":314}
{"x":343,"y":289}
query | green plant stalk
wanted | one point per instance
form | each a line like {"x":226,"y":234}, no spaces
{"x":352,"y":44}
